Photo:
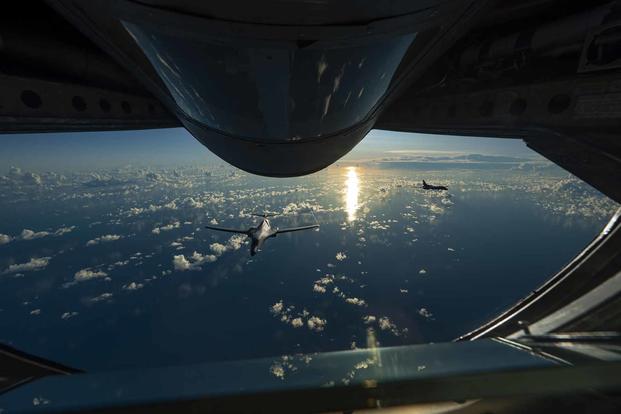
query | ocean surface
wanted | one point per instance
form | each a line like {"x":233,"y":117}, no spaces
{"x":112,"y":269}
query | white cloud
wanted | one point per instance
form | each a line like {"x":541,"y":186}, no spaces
{"x":356,"y":301}
{"x":195,"y":203}
{"x":234,"y":243}
{"x":385,"y":323}
{"x":100,"y":298}
{"x":277,"y":307}
{"x":37,"y":263}
{"x":422,"y":272}
{"x":297,"y":322}
{"x":315,"y":323}
{"x":434,"y":208}
{"x":104,"y":239}
{"x":153,"y":176}
{"x":425,"y":313}
{"x":64,"y":230}
{"x":68,"y":315}
{"x":194,"y":262}
{"x":28,"y":234}
{"x":133,"y":286}
{"x":368,"y":319}
{"x":213,"y":221}
{"x":278,"y":371}
{"x":217,"y":248}
{"x":134,"y":211}
{"x":318,"y":288}
{"x":299,"y":208}
{"x":87,"y":274}
{"x":168,"y":227}
{"x":181,"y":263}
{"x":35,"y":312}
{"x":16,"y":176}
{"x":340,"y":256}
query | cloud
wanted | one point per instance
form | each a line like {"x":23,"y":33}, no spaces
{"x":68,"y":315}
{"x":98,"y":180}
{"x":167,"y":227}
{"x":88,"y":274}
{"x":64,"y":230}
{"x":101,"y":298}
{"x":385,"y":323}
{"x":181,"y":263}
{"x":368,"y":319}
{"x":316,"y":324}
{"x":356,"y":301}
{"x":104,"y":239}
{"x":27,"y":234}
{"x":299,"y":208}
{"x":340,"y":256}
{"x":32,"y":265}
{"x":195,"y":203}
{"x":318,"y":288}
{"x":424,"y":313}
{"x":278,"y":371}
{"x":133,"y":286}
{"x":134,"y":211}
{"x":277,"y":307}
{"x":436,"y":209}
{"x":194,"y":262}
{"x":153,"y":177}
{"x":234,"y":243}
{"x":16,"y":176}
{"x":217,"y":248}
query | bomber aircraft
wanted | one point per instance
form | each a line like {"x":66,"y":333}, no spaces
{"x":262,"y":232}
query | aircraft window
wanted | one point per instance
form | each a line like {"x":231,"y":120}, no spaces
{"x":278,"y":92}
{"x":106,"y":263}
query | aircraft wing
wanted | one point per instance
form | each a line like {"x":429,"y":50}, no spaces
{"x":314,"y":226}
{"x":227,"y":230}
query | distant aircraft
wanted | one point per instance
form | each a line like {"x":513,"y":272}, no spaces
{"x":262,"y":232}
{"x":433,"y":187}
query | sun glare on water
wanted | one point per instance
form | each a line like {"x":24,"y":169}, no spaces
{"x":352,"y":188}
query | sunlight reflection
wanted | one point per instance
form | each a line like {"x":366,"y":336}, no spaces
{"x":351,"y":193}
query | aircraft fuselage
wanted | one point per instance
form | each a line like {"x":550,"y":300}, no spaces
{"x":259,"y":234}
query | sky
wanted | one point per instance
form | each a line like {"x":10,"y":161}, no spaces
{"x":159,"y":147}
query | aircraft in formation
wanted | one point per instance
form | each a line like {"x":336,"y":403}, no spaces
{"x":259,"y":234}
{"x":433,"y":187}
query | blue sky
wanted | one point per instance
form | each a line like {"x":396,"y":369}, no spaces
{"x":86,"y":150}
